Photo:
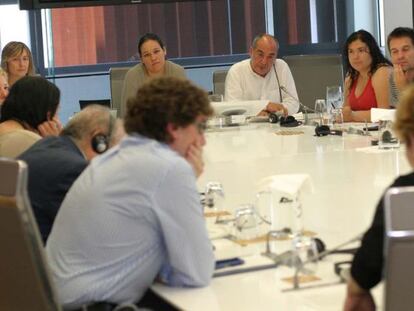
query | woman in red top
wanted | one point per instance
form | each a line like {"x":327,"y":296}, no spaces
{"x":366,"y":82}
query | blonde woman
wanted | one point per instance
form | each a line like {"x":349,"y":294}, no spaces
{"x":4,"y":86}
{"x":17,"y":61}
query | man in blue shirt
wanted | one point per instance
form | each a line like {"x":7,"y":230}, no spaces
{"x":134,"y":214}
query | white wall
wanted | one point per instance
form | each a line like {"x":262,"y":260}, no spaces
{"x":397,"y":13}
{"x":14,"y":25}
{"x":365,"y":17}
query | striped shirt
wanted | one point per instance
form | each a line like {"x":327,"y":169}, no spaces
{"x":394,"y":92}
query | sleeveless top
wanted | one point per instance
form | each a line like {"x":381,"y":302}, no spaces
{"x":365,"y":101}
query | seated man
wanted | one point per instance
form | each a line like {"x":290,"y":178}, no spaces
{"x":135,"y":215}
{"x":401,"y":47}
{"x":263,"y":76}
{"x":55,"y":162}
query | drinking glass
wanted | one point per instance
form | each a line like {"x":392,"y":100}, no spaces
{"x":306,"y":252}
{"x":334,"y":98}
{"x":321,"y":111}
{"x":320,"y":106}
{"x":214,"y":195}
{"x":337,"y":118}
{"x":386,"y":135}
{"x":265,"y":207}
{"x":245,"y":222}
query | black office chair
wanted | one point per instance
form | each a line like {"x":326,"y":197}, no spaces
{"x":25,"y":282}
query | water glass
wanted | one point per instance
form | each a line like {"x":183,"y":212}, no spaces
{"x":265,"y":207}
{"x":320,"y":106}
{"x":386,"y":136}
{"x":334,"y":99}
{"x":321,"y":111}
{"x":245,"y":222}
{"x":306,"y":253}
{"x":214,"y":196}
{"x":337,"y":118}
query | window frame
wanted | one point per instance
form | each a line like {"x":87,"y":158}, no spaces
{"x":345,"y":26}
{"x":36,"y":35}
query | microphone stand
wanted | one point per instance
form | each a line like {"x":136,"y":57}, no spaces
{"x":290,"y":259}
{"x":319,"y":256}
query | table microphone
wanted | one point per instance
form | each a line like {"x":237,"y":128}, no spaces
{"x":289,"y":258}
{"x":305,"y":108}
{"x":337,"y":248}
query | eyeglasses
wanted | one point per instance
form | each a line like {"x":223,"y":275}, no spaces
{"x":201,"y":126}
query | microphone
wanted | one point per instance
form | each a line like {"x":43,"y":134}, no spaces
{"x":291,"y":259}
{"x":336,"y":249}
{"x":305,"y":108}
{"x":299,"y":264}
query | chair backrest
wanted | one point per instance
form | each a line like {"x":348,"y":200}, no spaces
{"x":117,"y":77}
{"x":399,"y":249}
{"x":104,"y":102}
{"x":24,"y":278}
{"x":219,"y":79}
{"x":313,"y":73}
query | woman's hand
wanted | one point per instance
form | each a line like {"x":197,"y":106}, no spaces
{"x":347,"y":114}
{"x":50,"y":128}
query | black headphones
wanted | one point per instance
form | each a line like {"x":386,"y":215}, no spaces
{"x":289,"y":121}
{"x":322,"y":130}
{"x":273,"y":117}
{"x":100,"y":142}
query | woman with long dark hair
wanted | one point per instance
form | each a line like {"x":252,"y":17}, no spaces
{"x":367,"y":77}
{"x":28,"y":114}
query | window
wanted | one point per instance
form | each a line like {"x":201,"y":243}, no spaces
{"x":196,"y":33}
{"x":109,"y":34}
{"x":310,"y":26}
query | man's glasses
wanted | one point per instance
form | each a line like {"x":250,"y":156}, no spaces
{"x":201,"y":126}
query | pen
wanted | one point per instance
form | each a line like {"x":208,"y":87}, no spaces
{"x":220,"y":264}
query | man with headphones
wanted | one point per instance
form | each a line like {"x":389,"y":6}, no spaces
{"x":55,"y":162}
{"x":263,"y":77}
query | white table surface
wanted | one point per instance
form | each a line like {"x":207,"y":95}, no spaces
{"x":348,"y":177}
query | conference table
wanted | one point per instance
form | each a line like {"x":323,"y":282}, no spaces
{"x":348,"y":176}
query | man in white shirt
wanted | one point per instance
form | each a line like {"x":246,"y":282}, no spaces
{"x":401,"y":47}
{"x":263,"y":77}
